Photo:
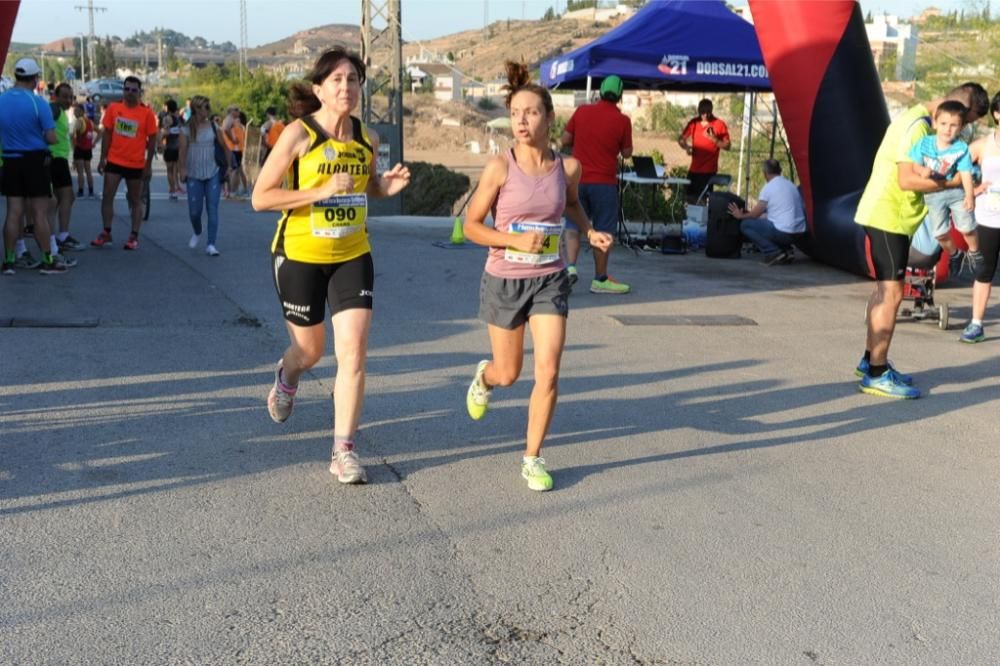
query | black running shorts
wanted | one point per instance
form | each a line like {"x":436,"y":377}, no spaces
{"x":28,"y":175}
{"x":303,"y":289}
{"x":125,"y":172}
{"x":890,"y":252}
{"x":60,"y":173}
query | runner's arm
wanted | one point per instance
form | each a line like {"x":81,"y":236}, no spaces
{"x":268,"y":193}
{"x":150,"y":149}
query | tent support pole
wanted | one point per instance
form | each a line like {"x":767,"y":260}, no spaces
{"x":774,"y":126}
{"x":589,"y":80}
{"x":741,"y":187}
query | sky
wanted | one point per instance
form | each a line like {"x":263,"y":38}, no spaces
{"x":40,"y":21}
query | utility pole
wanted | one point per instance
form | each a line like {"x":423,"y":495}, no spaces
{"x":90,"y":9}
{"x":243,"y":38}
{"x":384,"y":42}
{"x":486,"y":19}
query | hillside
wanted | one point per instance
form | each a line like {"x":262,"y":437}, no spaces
{"x":314,"y":40}
{"x":480,"y":54}
{"x":477,"y":53}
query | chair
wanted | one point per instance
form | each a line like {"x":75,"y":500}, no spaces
{"x":494,"y":148}
{"x":720,"y":179}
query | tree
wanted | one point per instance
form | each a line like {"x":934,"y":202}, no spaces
{"x":171,"y":59}
{"x":549,"y":15}
{"x":104,"y":59}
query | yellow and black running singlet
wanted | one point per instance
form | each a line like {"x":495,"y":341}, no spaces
{"x":333,"y":230}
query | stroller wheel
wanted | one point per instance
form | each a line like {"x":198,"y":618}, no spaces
{"x":943,"y":316}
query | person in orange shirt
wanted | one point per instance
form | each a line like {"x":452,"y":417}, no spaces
{"x":703,"y":138}
{"x":235,"y":132}
{"x":127,"y":152}
{"x":270,"y":130}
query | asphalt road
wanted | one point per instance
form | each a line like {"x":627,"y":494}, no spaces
{"x":723,"y":494}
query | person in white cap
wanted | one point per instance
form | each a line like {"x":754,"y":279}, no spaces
{"x":26,"y":133}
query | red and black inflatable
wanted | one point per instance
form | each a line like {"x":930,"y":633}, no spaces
{"x":8,"y":12}
{"x":831,"y":102}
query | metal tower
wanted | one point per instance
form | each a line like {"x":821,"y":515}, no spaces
{"x":90,"y":9}
{"x":382,"y":53}
{"x":243,"y":38}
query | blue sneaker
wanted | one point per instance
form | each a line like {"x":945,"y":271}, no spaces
{"x":973,"y":333}
{"x":889,"y":385}
{"x":864,"y":367}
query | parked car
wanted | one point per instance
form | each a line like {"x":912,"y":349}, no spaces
{"x":105,"y":90}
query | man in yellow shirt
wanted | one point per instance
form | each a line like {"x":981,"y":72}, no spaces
{"x":891,"y":209}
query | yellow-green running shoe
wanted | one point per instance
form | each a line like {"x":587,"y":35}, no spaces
{"x":477,"y":400}
{"x":608,"y":286}
{"x":533,"y":470}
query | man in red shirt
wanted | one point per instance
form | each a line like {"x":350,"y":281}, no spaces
{"x":703,"y":137}
{"x":598,"y":134}
{"x":127,"y":152}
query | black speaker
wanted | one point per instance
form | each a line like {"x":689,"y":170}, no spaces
{"x":723,"y":240}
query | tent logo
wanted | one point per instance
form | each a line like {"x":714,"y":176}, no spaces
{"x":674,"y":65}
{"x":559,"y":68}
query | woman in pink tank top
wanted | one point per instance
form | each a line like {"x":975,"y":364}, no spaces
{"x":986,"y":151}
{"x":528,"y":189}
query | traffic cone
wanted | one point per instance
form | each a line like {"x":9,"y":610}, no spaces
{"x":457,"y":237}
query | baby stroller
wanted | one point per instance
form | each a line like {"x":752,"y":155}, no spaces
{"x":921,"y":279}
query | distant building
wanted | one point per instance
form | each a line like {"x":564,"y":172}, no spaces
{"x":447,"y":79}
{"x":891,"y":39}
{"x":473,"y":90}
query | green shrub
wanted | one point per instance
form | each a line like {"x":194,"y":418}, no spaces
{"x":434,"y":189}
{"x":657,"y":204}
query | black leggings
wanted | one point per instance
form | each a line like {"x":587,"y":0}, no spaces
{"x":989,"y":246}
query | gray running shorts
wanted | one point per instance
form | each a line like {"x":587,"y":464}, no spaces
{"x":509,"y":302}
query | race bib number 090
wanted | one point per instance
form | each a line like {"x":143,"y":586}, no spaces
{"x":339,"y":216}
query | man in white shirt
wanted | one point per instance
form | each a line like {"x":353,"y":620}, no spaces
{"x":776,"y":219}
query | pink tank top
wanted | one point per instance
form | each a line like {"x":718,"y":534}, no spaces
{"x":529,"y":203}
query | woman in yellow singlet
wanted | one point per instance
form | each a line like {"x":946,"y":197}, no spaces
{"x":320,"y":252}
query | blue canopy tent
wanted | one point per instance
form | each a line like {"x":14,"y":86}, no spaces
{"x":699,"y":45}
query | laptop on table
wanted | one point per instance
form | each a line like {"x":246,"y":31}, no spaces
{"x":645,"y":167}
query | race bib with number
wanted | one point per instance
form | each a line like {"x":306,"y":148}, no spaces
{"x":339,"y":216}
{"x":550,"y":245}
{"x":127,"y":127}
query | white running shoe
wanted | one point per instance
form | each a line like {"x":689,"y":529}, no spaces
{"x":193,"y":243}
{"x":346,"y":466}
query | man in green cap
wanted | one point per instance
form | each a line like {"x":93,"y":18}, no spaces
{"x":598,"y":134}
